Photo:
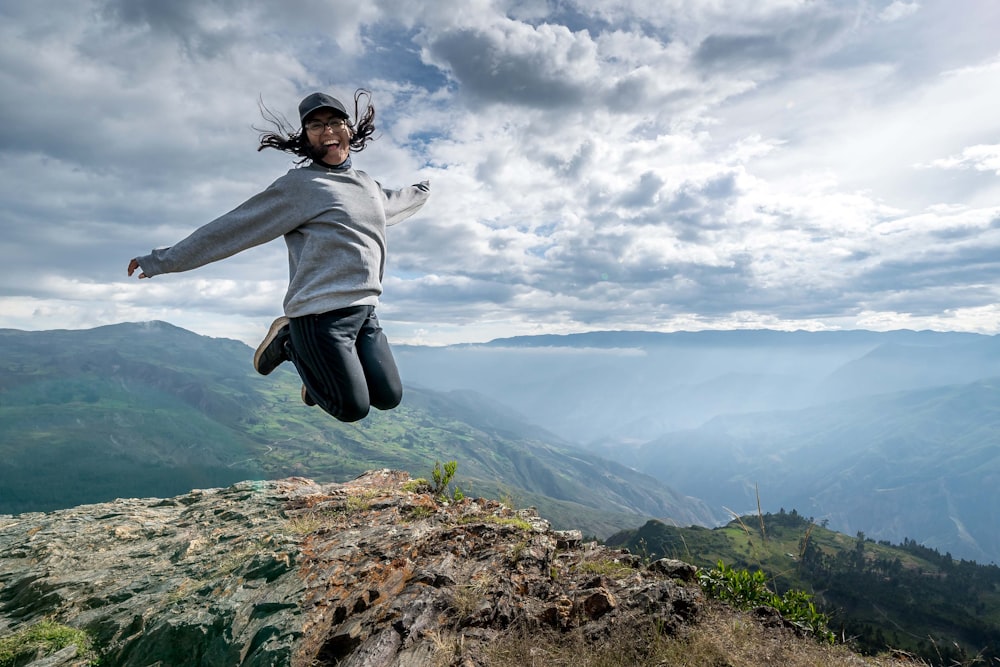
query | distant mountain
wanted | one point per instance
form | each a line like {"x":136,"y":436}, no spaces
{"x":903,"y":366}
{"x":740,"y":338}
{"x":153,"y":410}
{"x":923,"y":465}
{"x":632,"y":386}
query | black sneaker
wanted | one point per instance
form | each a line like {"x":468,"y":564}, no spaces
{"x":271,"y":351}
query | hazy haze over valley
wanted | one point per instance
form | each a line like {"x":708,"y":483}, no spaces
{"x":609,"y":387}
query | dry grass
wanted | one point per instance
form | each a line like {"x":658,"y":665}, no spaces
{"x":742,"y":640}
{"x":722,"y":638}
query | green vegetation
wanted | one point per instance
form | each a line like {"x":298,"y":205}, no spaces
{"x":745,"y":590}
{"x":877,"y":595}
{"x":46,"y":637}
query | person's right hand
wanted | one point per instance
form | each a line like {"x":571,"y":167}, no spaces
{"x":132,"y":266}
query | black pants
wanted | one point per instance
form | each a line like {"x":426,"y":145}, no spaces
{"x":345,"y":362}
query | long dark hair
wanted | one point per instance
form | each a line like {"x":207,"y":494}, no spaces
{"x":284,"y":138}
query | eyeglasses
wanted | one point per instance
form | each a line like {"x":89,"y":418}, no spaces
{"x":318,"y":126}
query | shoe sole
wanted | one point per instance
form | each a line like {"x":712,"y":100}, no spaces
{"x":272,"y":333}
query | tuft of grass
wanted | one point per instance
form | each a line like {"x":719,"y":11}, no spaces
{"x":359,"y":503}
{"x":417,"y":513}
{"x":499,"y":520}
{"x":467,"y":599}
{"x":418,"y":485}
{"x":517,"y":550}
{"x":48,"y":637}
{"x":607,"y":567}
{"x":304,"y":524}
{"x":182,"y":591}
{"x":237,"y":558}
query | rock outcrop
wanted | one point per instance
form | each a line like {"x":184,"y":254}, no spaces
{"x":373,"y":572}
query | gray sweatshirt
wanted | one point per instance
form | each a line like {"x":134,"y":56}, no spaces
{"x":333,"y":221}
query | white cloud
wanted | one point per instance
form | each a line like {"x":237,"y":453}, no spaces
{"x":980,"y":158}
{"x":898,"y":10}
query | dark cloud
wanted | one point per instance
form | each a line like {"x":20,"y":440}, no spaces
{"x":489,"y":71}
{"x":181,"y":20}
{"x":946,"y":267}
{"x":728,"y":50}
{"x":644,"y":193}
{"x":697,"y":208}
{"x":569,"y":166}
{"x":781,"y":39}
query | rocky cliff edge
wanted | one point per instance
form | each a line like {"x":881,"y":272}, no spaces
{"x":373,"y":572}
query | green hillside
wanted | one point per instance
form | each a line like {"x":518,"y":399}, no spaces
{"x":880,"y":596}
{"x":154,"y":410}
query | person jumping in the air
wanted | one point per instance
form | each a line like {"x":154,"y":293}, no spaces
{"x":333,"y":218}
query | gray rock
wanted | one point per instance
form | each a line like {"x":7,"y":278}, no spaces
{"x":291,"y":572}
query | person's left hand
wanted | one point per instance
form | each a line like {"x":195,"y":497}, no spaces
{"x":132,"y":266}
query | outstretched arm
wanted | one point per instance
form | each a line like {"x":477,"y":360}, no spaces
{"x":262,"y":218}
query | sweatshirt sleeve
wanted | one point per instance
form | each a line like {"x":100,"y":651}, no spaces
{"x":262,"y":218}
{"x":401,"y":204}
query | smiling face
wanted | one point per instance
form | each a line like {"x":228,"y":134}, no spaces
{"x":329,"y":135}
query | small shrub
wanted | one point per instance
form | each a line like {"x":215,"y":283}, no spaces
{"x":442,"y":476}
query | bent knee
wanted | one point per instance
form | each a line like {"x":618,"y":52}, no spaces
{"x":387,"y":401}
{"x":352,"y":413}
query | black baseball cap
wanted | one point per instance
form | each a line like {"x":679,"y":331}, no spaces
{"x":320,"y":101}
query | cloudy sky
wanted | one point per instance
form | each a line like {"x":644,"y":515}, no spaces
{"x":594,"y":164}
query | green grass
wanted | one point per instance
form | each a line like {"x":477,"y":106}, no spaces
{"x":48,"y":637}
